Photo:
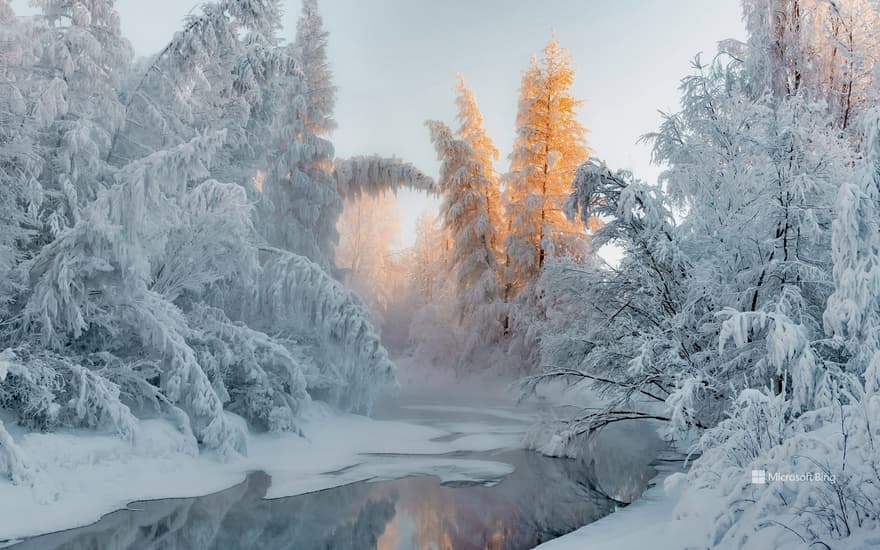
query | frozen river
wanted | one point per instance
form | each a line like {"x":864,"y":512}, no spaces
{"x":529,"y":499}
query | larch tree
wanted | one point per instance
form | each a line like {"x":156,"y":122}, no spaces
{"x":472,"y":132}
{"x":550,"y":145}
{"x":469,"y":187}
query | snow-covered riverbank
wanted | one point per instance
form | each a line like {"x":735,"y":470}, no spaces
{"x":657,"y":520}
{"x":83,"y":476}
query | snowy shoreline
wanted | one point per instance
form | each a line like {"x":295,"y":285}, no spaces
{"x":84,"y":476}
{"x":655,"y":520}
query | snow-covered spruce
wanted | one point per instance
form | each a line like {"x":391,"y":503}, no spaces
{"x":469,"y":187}
{"x":143,"y":273}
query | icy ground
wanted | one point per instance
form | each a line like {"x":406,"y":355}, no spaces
{"x":83,"y":476}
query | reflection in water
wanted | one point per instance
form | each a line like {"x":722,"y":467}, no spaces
{"x":542,"y":499}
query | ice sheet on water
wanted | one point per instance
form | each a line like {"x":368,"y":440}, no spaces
{"x":84,"y":475}
{"x":383,"y":468}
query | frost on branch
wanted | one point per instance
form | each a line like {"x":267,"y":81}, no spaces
{"x":259,"y":377}
{"x":348,"y":365}
{"x":13,"y":463}
{"x":374,"y":174}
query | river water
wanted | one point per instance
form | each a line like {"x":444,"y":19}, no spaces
{"x":542,"y":499}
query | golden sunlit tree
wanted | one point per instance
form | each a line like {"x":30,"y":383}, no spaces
{"x":467,"y":181}
{"x":470,"y":215}
{"x":485,"y":154}
{"x":550,"y":145}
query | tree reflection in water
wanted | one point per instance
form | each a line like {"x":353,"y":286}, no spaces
{"x":542,"y":499}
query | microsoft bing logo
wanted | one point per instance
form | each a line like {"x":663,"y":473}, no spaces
{"x":761,"y":477}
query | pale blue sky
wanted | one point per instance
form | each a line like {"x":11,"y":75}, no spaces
{"x":395,"y":63}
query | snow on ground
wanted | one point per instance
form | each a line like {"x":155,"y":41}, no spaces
{"x":84,"y":475}
{"x":664,"y":518}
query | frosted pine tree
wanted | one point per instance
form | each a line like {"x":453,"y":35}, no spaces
{"x":549,"y":147}
{"x":469,"y":188}
{"x":300,"y":194}
{"x":88,"y":50}
{"x":472,"y":132}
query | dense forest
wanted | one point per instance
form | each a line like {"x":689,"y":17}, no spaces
{"x":169,"y":227}
{"x":178,"y":240}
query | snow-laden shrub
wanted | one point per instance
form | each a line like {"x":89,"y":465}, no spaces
{"x":823,"y":424}
{"x":331,"y":325}
{"x":831,"y":458}
{"x":256,"y":375}
{"x":47,"y":390}
{"x":13,"y":463}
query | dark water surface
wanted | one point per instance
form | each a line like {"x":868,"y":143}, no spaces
{"x":543,"y":498}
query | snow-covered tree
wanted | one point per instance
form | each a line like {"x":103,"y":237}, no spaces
{"x":30,"y":101}
{"x":743,"y":307}
{"x":311,"y":49}
{"x":814,"y":48}
{"x":472,"y":219}
{"x":473,"y":133}
{"x":300,"y":193}
{"x":627,"y":350}
{"x":550,"y":145}
{"x":135,"y":279}
{"x":429,"y":256}
{"x":747,"y":269}
{"x":433,"y":303}
{"x":87,"y":50}
{"x":465,"y":212}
